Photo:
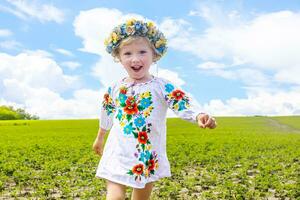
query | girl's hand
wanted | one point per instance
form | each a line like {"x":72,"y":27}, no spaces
{"x":98,"y":145}
{"x":204,"y":120}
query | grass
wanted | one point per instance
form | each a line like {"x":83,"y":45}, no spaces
{"x":244,"y":158}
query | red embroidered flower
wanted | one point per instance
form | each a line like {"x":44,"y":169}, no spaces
{"x":106,"y":97}
{"x":123,"y":90}
{"x":131,"y":106}
{"x":138,"y":169}
{"x":143,"y":137}
{"x":178,"y":94}
{"x":151,"y":164}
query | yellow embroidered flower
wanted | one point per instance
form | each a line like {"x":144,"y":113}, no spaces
{"x":146,"y":113}
{"x":122,"y":123}
{"x":176,"y":106}
{"x":156,"y":166}
{"x":146,"y":172}
{"x":145,"y":95}
{"x":117,"y":102}
{"x":149,"y":147}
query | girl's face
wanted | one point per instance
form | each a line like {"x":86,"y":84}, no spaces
{"x":137,"y":58}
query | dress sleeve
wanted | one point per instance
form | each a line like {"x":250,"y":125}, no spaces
{"x":180,"y":102}
{"x":107,"y":110}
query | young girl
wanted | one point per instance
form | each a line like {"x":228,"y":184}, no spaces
{"x":134,"y":109}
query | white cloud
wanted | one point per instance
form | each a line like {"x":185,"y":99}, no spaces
{"x":10,"y":44}
{"x":211,"y":65}
{"x":50,"y":105}
{"x":171,"y":27}
{"x":65,"y":52}
{"x":169,"y":75}
{"x":250,"y":77}
{"x":43,"y":12}
{"x":267,"y":42}
{"x":35,"y":69}
{"x":5,"y":33}
{"x":35,"y":82}
{"x":264,"y":103}
{"x":71,"y":65}
{"x":262,"y":53}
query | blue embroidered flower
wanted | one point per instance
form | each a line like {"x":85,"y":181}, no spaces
{"x":148,"y":154}
{"x":119,"y":115}
{"x":122,"y":98}
{"x":145,"y":102}
{"x":145,"y":156}
{"x":109,"y":90}
{"x":140,"y":121}
{"x":181,"y":106}
{"x":128,"y":129}
{"x":169,"y":87}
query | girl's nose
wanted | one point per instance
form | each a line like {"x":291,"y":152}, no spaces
{"x":135,"y":59}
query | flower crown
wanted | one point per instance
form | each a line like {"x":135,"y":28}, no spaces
{"x":135,"y":27}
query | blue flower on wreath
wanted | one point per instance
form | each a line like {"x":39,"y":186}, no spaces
{"x":123,"y":29}
{"x":145,"y":102}
{"x":140,"y":121}
{"x":138,"y":26}
{"x":169,"y":87}
{"x":109,"y":48}
{"x":161,"y":49}
{"x":128,"y":129}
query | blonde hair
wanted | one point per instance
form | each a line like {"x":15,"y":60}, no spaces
{"x":116,"y":52}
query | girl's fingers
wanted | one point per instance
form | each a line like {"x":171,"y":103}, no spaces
{"x":200,"y":124}
{"x":211,"y":122}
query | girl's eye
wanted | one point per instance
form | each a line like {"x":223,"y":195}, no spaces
{"x":127,"y":53}
{"x":142,"y":52}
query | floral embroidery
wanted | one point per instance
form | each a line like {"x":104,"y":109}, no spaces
{"x":107,"y":103}
{"x":132,"y":114}
{"x":176,"y":98}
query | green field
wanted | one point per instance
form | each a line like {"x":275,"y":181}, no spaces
{"x":244,"y":158}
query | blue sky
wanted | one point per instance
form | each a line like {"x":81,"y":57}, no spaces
{"x":233,"y":57}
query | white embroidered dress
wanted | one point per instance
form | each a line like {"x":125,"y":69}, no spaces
{"x":135,"y":150}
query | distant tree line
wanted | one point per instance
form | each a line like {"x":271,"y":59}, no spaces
{"x":9,"y":113}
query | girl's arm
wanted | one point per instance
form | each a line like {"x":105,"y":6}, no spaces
{"x":101,"y":133}
{"x":184,"y":107}
{"x":99,"y":141}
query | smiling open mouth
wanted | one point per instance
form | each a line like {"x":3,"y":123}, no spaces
{"x":136,"y":68}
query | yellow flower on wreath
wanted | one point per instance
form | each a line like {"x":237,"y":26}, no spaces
{"x":160,"y":42}
{"x":114,"y":37}
{"x":130,"y":22}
